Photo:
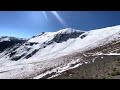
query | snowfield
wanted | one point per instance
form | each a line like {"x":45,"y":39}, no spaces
{"x":40,"y":55}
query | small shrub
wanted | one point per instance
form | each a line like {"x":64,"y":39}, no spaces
{"x":118,"y":64}
{"x":104,"y":78}
{"x":108,"y":74}
{"x":118,"y":59}
{"x":114,"y":69}
{"x":96,"y":76}
{"x":115,"y":73}
{"x":82,"y":77}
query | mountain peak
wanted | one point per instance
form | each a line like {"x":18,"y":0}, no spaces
{"x":68,"y":30}
{"x":59,"y":36}
{"x":10,"y":38}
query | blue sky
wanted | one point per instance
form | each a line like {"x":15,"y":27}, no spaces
{"x":25,"y":24}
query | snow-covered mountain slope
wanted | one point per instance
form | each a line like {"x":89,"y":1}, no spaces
{"x":49,"y":50}
{"x":87,"y":40}
{"x":38,"y":46}
{"x":6,"y":42}
{"x":61,"y":35}
{"x":8,"y":38}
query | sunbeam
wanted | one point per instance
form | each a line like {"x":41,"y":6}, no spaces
{"x":59,"y":18}
{"x":45,"y":15}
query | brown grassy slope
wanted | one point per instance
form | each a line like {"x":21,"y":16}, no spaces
{"x":104,"y":67}
{"x":107,"y":67}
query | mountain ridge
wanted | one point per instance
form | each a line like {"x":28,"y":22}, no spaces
{"x":55,"y":52}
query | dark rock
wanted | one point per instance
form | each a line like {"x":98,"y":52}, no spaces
{"x":32,"y":53}
{"x":17,"y":57}
{"x":64,"y":37}
{"x":83,"y":36}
